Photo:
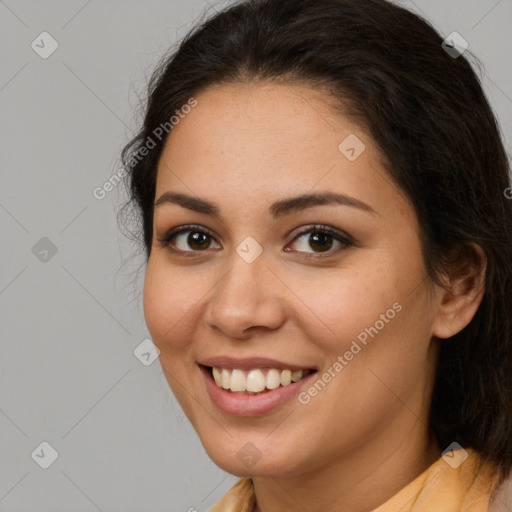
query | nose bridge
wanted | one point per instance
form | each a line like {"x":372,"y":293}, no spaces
{"x":243,"y":297}
{"x":240,"y":287}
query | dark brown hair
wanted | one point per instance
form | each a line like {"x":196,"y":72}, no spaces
{"x":427,"y":112}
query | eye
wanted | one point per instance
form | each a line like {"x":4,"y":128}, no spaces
{"x":193,"y":237}
{"x":321,"y":240}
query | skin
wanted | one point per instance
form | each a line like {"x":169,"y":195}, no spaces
{"x":243,"y":147}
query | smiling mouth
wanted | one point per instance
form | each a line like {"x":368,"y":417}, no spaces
{"x":255,"y":381}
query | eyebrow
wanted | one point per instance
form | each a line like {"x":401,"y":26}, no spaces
{"x":278,"y":209}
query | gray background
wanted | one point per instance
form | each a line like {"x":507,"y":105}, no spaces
{"x":70,"y":324}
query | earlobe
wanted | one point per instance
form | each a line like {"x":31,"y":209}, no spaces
{"x":463,"y":293}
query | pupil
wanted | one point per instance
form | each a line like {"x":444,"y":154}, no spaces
{"x":198,"y":239}
{"x":321,"y":239}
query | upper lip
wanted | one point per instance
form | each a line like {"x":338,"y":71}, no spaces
{"x":247,"y":363}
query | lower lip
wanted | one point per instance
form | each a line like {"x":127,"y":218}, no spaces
{"x":251,"y":405}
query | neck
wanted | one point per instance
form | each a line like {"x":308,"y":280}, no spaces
{"x":360,"y":480}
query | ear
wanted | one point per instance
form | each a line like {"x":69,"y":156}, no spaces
{"x":463,"y":293}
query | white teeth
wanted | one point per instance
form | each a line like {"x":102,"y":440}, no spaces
{"x":255,"y":381}
{"x":237,"y":382}
{"x":226,"y":377}
{"x":273,"y":379}
{"x":217,"y":375}
{"x":286,"y":377}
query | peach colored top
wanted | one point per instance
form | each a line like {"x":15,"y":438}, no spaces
{"x":443,"y":486}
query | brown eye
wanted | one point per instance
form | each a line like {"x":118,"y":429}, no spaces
{"x":198,"y":240}
{"x":321,"y":239}
{"x":187,"y":239}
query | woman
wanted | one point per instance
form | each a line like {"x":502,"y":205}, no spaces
{"x":320,"y":186}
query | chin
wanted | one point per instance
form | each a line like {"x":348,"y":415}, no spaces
{"x":249,"y":461}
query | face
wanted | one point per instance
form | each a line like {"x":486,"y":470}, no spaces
{"x":257,"y":281}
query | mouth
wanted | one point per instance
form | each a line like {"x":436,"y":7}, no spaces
{"x":255,"y":381}
{"x":253,"y":386}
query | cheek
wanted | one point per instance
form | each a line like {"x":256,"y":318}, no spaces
{"x":378,"y":301}
{"x":345,"y":302}
{"x":381,"y":331}
{"x":168,"y":303}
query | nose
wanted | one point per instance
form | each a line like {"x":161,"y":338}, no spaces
{"x":247,"y":298}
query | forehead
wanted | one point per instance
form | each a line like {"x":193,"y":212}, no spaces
{"x":255,"y":140}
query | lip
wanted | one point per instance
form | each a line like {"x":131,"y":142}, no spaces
{"x":252,"y":405}
{"x":248,"y":363}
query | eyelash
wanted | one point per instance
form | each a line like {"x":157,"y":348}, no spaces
{"x":345,"y":241}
